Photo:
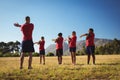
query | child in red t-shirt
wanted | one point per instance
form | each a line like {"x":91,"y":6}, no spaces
{"x":41,"y":44}
{"x":59,"y":47}
{"x":72,"y":46}
{"x":90,"y":46}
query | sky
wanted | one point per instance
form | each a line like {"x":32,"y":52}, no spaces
{"x":53,"y":16}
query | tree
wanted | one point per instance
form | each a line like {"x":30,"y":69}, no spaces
{"x":10,"y":47}
{"x":109,"y":48}
{"x":83,"y":52}
{"x":17,"y":46}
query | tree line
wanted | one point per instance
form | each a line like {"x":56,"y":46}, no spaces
{"x":110,"y":48}
{"x":12,"y":49}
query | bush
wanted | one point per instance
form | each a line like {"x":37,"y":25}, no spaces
{"x":82,"y":52}
{"x":1,"y":55}
{"x":15,"y":55}
{"x":35,"y":54}
{"x":77,"y":53}
{"x":26,"y":54}
{"x":50,"y":54}
{"x":7,"y":55}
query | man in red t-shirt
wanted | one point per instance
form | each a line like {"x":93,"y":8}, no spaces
{"x":90,"y":46}
{"x":59,"y":47}
{"x":27,"y":43}
{"x":41,"y":44}
{"x":72,"y":46}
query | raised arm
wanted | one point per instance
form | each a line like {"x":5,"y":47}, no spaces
{"x":83,"y":35}
{"x":36,"y":42}
{"x":55,"y":40}
{"x":17,"y":25}
{"x":69,"y":38}
{"x":66,"y":39}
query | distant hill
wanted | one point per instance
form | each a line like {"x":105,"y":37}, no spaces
{"x":80,"y":44}
{"x":52,"y":48}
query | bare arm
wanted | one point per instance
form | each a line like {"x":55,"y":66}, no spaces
{"x":69,"y":38}
{"x":66,"y":39}
{"x":36,"y":43}
{"x":17,"y":25}
{"x":83,"y":35}
{"x":53,"y":39}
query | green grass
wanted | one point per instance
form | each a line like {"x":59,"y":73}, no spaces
{"x":107,"y":68}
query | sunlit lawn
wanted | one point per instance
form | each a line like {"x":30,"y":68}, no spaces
{"x":107,"y":67}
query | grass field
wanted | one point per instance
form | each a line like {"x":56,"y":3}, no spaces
{"x":107,"y":68}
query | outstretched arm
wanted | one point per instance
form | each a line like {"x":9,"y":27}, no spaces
{"x":67,"y":39}
{"x":17,"y":25}
{"x":36,"y":43}
{"x":83,"y":35}
{"x":53,"y":39}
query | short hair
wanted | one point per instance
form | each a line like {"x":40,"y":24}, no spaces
{"x":27,"y":17}
{"x":59,"y":34}
{"x":91,"y":29}
{"x":42,"y":37}
{"x":74,"y":32}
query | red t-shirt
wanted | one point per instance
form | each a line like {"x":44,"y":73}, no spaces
{"x":90,"y":39}
{"x":72,"y":41}
{"x":41,"y":43}
{"x":27,"y":30}
{"x":59,"y":43}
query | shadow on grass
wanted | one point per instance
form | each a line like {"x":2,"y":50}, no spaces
{"x":107,"y":64}
{"x":117,"y":63}
{"x":80,"y":64}
{"x":76,"y":64}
